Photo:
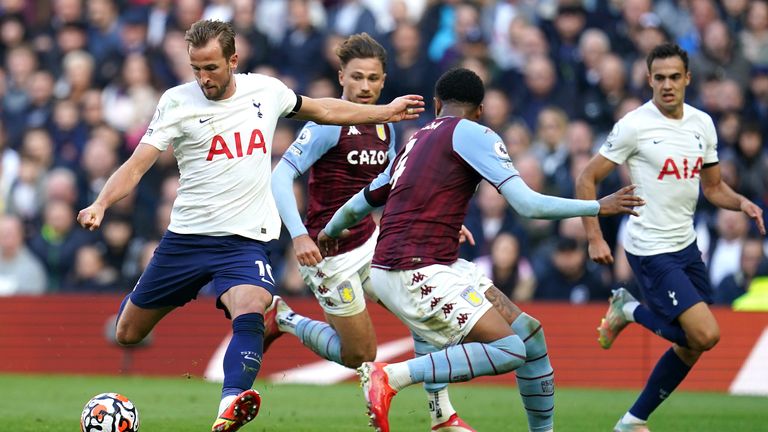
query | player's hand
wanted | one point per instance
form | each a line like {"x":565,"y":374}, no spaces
{"x":405,"y":108}
{"x":90,"y":217}
{"x":465,"y":235}
{"x":755,"y":213}
{"x":623,"y":201}
{"x":330,"y":245}
{"x":600,"y":252}
{"x":307,"y":252}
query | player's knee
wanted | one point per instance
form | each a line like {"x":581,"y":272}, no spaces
{"x":704,"y":340}
{"x":511,"y":355}
{"x":125,"y":335}
{"x":354,"y":358}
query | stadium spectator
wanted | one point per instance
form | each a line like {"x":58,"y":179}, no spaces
{"x":69,"y":134}
{"x":9,"y":169}
{"x":510,"y":271}
{"x":752,"y":259}
{"x":498,"y":109}
{"x":661,"y":242}
{"x":594,"y":45}
{"x":756,"y":107}
{"x":301,"y":37}
{"x":541,"y":91}
{"x":56,"y":242}
{"x":219,"y":245}
{"x":549,"y":146}
{"x":409,"y":70}
{"x":567,"y":275}
{"x":104,"y":42}
{"x":752,"y":163}
{"x":415,"y":266}
{"x":754,"y":37}
{"x":731,"y":231}
{"x":517,"y":136}
{"x":720,"y":56}
{"x":260,"y":51}
{"x":352,"y":16}
{"x":90,"y":273}
{"x":21,"y":272}
{"x":601,"y":102}
{"x":488,"y":216}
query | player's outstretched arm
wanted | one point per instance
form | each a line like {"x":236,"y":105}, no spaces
{"x":341,"y":112}
{"x":307,"y":252}
{"x":720,"y":194}
{"x":119,"y":184}
{"x":586,"y":188}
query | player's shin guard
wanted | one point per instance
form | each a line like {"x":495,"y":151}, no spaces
{"x":242,"y":359}
{"x":440,"y":408}
{"x":465,"y":361}
{"x":422,"y":348}
{"x":535,"y":378}
{"x":672,"y":332}
{"x":321,"y":338}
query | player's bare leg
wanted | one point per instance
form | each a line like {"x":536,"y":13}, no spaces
{"x":135,"y":323}
{"x":358,"y":339}
{"x":240,"y":404}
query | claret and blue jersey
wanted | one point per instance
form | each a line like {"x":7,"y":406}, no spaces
{"x":341,"y":160}
{"x":428,"y":187}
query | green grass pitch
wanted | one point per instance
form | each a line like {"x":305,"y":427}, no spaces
{"x":38,"y":403}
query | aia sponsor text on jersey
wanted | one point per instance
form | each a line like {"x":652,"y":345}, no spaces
{"x":681,"y":169}
{"x":221,"y":146}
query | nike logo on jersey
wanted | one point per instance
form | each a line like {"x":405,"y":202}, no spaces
{"x":656,"y":141}
{"x":205,"y":120}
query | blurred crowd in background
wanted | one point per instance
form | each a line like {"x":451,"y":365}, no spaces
{"x":79,"y":81}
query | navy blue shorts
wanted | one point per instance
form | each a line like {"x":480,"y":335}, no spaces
{"x":184,"y":263}
{"x":672,"y":282}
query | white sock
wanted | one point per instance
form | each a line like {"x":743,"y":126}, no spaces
{"x":629,"y":310}
{"x":440,"y":408}
{"x":225,"y":403}
{"x":287,"y":322}
{"x":399,"y":375}
{"x":630,"y":419}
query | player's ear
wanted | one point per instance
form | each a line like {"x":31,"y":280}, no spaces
{"x":479,"y":111}
{"x":233,"y":61}
{"x":341,"y":77}
{"x":438,"y":106}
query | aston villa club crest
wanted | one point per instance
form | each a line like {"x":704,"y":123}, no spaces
{"x":381,"y":133}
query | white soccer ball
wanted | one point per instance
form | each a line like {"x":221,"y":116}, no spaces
{"x":109,"y":412}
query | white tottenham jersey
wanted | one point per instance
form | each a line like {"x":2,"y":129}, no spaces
{"x":224,"y":151}
{"x":665,"y":158}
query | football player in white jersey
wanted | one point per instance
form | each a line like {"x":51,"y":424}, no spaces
{"x":670,"y":149}
{"x":221,"y":128}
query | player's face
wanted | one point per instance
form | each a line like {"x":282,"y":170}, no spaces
{"x":212,"y":71}
{"x":362,"y":80}
{"x":668,"y":79}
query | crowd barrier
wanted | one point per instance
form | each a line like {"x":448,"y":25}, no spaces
{"x":66,"y":334}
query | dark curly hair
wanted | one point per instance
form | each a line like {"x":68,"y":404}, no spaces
{"x":460,"y":86}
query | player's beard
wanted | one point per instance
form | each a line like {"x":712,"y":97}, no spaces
{"x":221,"y":90}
